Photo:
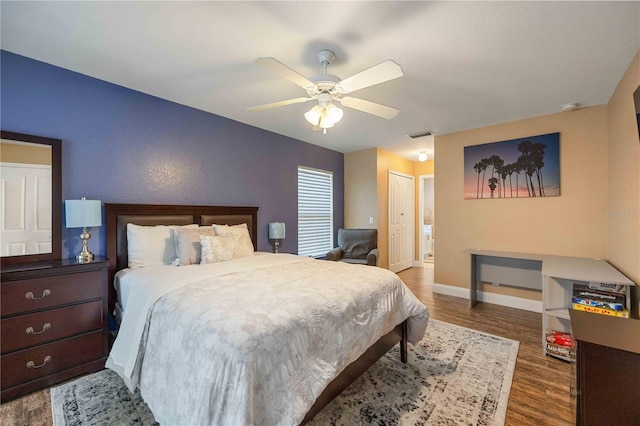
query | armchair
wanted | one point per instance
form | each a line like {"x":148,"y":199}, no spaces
{"x":356,"y":246}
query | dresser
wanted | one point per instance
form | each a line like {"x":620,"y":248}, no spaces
{"x":53,"y":320}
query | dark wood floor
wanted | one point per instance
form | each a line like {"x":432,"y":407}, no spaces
{"x":540,"y":393}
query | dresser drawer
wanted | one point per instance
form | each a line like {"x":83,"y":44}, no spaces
{"x":46,"y":292}
{"x":41,"y":327}
{"x":32,"y":364}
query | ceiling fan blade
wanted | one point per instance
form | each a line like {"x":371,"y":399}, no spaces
{"x":388,"y":70}
{"x":369,"y":107}
{"x":279,"y":104}
{"x":284,"y":71}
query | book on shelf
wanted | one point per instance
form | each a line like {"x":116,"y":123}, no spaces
{"x":618,"y":307}
{"x":566,"y":353}
{"x":585,"y":292}
{"x":560,"y":338}
{"x":612,"y":288}
{"x":601,"y":311}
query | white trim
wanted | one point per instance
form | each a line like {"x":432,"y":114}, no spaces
{"x":496,"y":299}
{"x":418,"y":264}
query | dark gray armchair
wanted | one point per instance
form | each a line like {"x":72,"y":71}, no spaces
{"x":356,"y":246}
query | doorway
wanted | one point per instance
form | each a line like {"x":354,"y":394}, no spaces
{"x":426,"y":228}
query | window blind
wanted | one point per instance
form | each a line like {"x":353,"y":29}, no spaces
{"x":315,"y":212}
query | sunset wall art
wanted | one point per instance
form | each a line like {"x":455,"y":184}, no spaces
{"x":519,"y":168}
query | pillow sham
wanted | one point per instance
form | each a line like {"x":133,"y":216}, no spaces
{"x":245,"y":247}
{"x":221,"y":248}
{"x":188,"y":247}
{"x":152,"y":245}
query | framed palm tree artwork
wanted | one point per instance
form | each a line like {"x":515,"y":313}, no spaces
{"x":519,"y":168}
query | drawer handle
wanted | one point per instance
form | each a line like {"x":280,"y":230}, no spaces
{"x":31,"y":364}
{"x":45,"y":327}
{"x":45,"y":293}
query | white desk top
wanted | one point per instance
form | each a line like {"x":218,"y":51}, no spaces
{"x":583,"y":269}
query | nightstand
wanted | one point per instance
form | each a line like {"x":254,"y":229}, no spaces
{"x":53,"y":323}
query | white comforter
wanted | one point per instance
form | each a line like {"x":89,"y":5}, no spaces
{"x":254,"y":340}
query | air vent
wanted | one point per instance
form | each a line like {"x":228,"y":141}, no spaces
{"x":421,"y":134}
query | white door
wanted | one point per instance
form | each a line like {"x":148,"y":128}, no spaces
{"x":401,"y":223}
{"x":25,"y":211}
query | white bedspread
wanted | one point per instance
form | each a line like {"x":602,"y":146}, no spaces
{"x":254,"y":340}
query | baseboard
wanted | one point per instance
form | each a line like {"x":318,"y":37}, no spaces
{"x":496,"y":299}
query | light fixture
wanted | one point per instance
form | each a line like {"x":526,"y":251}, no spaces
{"x":83,"y":213}
{"x":325,"y":114}
{"x":276,"y":233}
{"x":422,"y":156}
{"x":569,"y":107}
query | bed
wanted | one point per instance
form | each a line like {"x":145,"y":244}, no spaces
{"x":260,"y":391}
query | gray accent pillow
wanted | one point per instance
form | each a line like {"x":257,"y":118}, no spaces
{"x":188,"y":247}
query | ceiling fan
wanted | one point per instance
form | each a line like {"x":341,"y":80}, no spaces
{"x":327,"y":89}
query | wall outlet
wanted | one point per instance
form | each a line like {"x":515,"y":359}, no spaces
{"x":370,"y":220}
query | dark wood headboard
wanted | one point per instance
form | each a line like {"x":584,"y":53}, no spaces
{"x":119,"y":215}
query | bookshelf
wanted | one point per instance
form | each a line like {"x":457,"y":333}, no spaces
{"x":559,"y":274}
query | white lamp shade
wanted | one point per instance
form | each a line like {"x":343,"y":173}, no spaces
{"x":276,"y":231}
{"x":83,"y":213}
{"x":324,"y":117}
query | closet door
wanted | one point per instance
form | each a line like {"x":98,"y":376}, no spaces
{"x":401,"y":223}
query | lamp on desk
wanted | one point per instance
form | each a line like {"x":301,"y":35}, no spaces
{"x":83,"y":213}
{"x":276,"y":233}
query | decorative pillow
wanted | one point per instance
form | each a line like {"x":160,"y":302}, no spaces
{"x":188,"y":244}
{"x":246,"y":245}
{"x":152,"y":245}
{"x":221,"y":248}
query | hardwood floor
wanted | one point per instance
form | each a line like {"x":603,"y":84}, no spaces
{"x":540,"y":393}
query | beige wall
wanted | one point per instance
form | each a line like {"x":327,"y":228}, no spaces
{"x":360,"y":192}
{"x":387,"y":161}
{"x":11,"y":152}
{"x":623,"y":206}
{"x":573,"y":224}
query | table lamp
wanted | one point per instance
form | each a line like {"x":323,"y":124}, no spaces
{"x":276,"y":233}
{"x":83,"y":213}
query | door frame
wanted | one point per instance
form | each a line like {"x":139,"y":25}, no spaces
{"x":421,"y":248}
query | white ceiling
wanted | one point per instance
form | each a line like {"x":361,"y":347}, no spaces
{"x":466,"y":64}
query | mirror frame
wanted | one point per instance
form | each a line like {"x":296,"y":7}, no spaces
{"x":56,"y":199}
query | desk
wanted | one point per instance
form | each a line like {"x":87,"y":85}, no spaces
{"x":512,"y":269}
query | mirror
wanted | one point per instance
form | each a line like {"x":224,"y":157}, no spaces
{"x":636,"y":100}
{"x":30,"y":198}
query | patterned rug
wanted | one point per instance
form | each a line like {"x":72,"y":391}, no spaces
{"x":455,"y":376}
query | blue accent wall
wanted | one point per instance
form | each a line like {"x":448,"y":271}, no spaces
{"x":124,"y":146}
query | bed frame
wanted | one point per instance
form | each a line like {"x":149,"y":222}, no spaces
{"x":119,"y":215}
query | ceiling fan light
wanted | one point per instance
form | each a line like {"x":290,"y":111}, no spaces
{"x":314,"y":115}
{"x":334,"y":113}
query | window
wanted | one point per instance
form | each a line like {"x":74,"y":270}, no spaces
{"x":315,"y":212}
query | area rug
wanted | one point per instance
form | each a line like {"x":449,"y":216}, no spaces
{"x":455,"y":376}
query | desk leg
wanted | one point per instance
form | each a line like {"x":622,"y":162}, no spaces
{"x":473,"y":285}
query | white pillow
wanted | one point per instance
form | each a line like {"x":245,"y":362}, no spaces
{"x":188,"y":246}
{"x":151,"y":245}
{"x":221,"y":248}
{"x":246,"y":245}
